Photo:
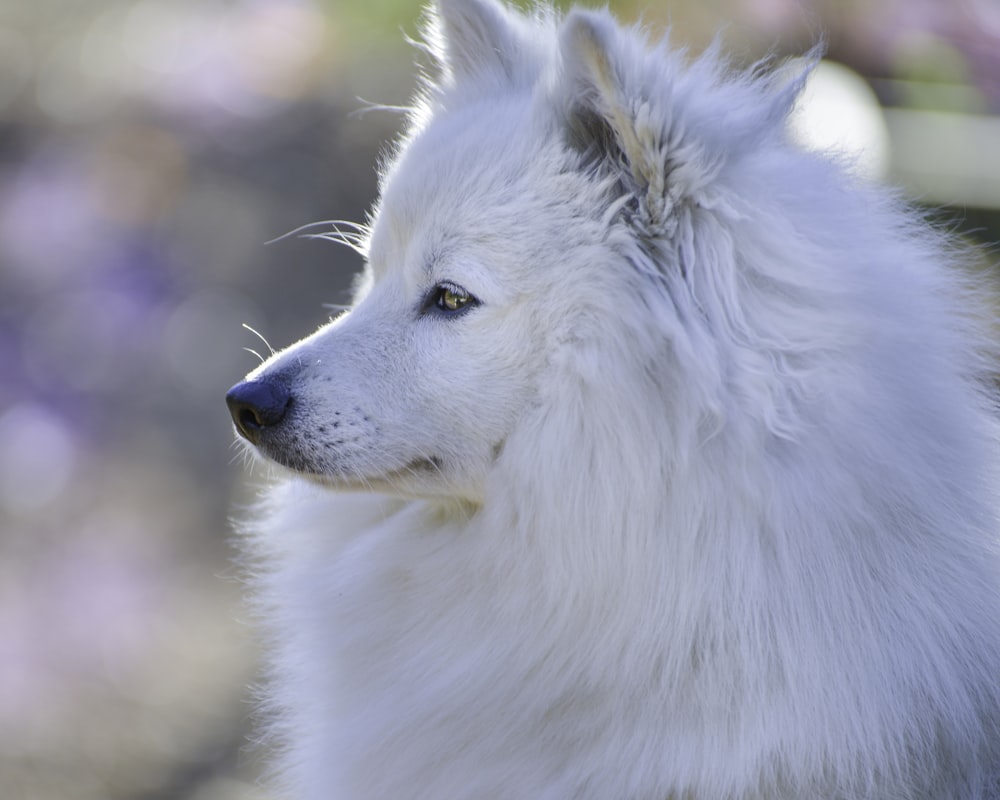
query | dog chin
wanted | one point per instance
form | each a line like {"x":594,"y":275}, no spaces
{"x":420,"y":476}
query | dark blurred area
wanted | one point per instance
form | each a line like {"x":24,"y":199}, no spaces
{"x":148,"y":152}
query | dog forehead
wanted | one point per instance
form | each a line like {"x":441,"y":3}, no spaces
{"x":477,"y":173}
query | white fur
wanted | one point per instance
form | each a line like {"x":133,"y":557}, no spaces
{"x":697,"y":504}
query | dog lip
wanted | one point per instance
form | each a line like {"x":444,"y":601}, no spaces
{"x":342,"y":478}
{"x":289,"y":460}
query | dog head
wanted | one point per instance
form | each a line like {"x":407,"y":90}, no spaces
{"x":532,"y":243}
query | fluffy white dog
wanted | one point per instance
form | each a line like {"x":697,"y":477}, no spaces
{"x":653,"y":460}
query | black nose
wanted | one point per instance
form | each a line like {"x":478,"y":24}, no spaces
{"x":257,"y":405}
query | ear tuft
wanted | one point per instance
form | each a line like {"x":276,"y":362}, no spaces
{"x":477,"y":39}
{"x":616,"y":116}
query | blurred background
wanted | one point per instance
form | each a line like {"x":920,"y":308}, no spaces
{"x":148,"y":151}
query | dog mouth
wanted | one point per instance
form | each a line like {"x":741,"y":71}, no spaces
{"x":337,"y":474}
{"x":265,"y":415}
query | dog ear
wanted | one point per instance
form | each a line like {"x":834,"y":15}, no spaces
{"x":611,"y":118}
{"x":478,"y":39}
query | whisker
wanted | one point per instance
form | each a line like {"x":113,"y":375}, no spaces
{"x":251,"y":350}
{"x":346,"y":237}
{"x":244,"y":454}
{"x":352,"y":242}
{"x":284,"y":236}
{"x":356,"y":241}
{"x":359,"y":228}
{"x":369,"y":106}
{"x":260,"y":336}
{"x":353,"y":235}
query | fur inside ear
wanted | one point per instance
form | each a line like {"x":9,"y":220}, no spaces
{"x":478,"y":39}
{"x":611,"y":117}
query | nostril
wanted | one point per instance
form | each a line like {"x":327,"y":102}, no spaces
{"x":256,"y":405}
{"x":249,"y":418}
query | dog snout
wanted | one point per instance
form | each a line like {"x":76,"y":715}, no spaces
{"x":258,"y":405}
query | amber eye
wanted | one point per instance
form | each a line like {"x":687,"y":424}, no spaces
{"x":451,"y":298}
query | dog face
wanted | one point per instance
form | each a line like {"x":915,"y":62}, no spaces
{"x":415,"y":389}
{"x":477,"y":261}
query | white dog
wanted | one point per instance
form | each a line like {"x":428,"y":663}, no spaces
{"x":652,"y":461}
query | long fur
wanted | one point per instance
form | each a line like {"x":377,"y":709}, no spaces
{"x":699,"y":503}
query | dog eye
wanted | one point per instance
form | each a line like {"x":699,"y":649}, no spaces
{"x":451,"y":298}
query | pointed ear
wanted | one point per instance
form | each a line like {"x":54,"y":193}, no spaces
{"x":478,"y":39}
{"x":609,"y":115}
